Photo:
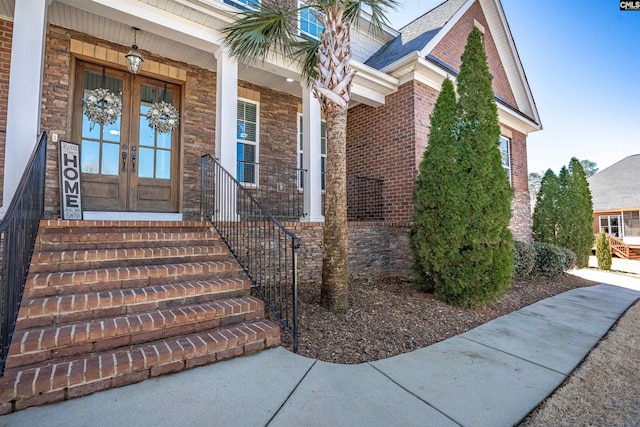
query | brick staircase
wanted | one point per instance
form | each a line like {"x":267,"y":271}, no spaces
{"x":111,"y":303}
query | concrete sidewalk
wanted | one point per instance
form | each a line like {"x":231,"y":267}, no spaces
{"x":492,"y":375}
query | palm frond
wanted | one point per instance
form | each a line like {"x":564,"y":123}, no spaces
{"x":378,"y":10}
{"x":257,"y":32}
{"x":307,"y":51}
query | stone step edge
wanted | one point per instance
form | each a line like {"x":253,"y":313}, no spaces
{"x":57,"y":261}
{"x":40,"y":344}
{"x":53,"y":382}
{"x":59,"y":283}
{"x":61,"y":308}
{"x":60,"y":223}
{"x":123,"y":236}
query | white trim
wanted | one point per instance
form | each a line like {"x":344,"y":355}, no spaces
{"x":154,"y":20}
{"x":25,"y":92}
{"x":131,"y":216}
{"x":446,"y":28}
{"x":507,"y":168}
{"x":256,"y":144}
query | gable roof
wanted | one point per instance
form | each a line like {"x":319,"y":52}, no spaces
{"x":421,"y":36}
{"x":415,"y":35}
{"x":618,"y":186}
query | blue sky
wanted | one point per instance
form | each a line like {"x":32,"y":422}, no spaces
{"x":582,"y":61}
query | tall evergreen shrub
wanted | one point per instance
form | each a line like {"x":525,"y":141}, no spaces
{"x":546,"y":214}
{"x":576,"y":213}
{"x":603,"y":251}
{"x":437,"y":197}
{"x":483,"y":264}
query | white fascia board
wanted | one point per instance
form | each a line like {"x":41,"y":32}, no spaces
{"x":363,"y":95}
{"x":153,"y":20}
{"x":445,"y":30}
{"x":516,"y":121}
{"x":515,"y":57}
{"x":427,"y":73}
{"x":374,"y":79}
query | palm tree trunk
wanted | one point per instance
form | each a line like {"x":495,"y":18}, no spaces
{"x":335,"y":273}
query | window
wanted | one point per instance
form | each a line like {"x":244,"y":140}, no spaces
{"x":505,"y":152}
{"x":308,"y":24}
{"x":323,"y":152}
{"x":610,"y":224}
{"x":243,"y":4}
{"x":247,"y":137}
{"x":631,"y":223}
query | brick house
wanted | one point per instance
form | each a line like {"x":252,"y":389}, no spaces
{"x":616,"y":205}
{"x":77,"y":45}
{"x":255,"y":118}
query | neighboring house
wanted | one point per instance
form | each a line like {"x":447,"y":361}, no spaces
{"x":252,"y":116}
{"x":616,"y":200}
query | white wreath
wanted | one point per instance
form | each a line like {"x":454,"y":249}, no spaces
{"x":102,"y":107}
{"x":163,"y":117}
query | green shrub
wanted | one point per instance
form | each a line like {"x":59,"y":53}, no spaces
{"x":571,"y":259}
{"x":603,"y":251}
{"x":552,"y":260}
{"x":524,"y":260}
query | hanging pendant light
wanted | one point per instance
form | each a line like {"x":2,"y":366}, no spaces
{"x":133,"y":58}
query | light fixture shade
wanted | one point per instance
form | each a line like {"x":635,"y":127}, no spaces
{"x":134,"y":60}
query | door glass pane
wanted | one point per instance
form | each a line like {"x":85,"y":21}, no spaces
{"x":164,"y":140}
{"x":89,"y":131}
{"x":110,"y":154}
{"x":155,"y":147}
{"x":90,"y":157}
{"x":100,"y":143}
{"x":147,"y":134}
{"x":145,"y":168}
{"x":163,"y":164}
{"x":112,"y":131}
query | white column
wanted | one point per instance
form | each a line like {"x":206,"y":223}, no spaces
{"x":25,"y":92}
{"x":226,"y":110}
{"x":226,"y":126}
{"x":311,"y":156}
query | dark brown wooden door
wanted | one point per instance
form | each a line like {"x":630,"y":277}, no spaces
{"x":127,"y":165}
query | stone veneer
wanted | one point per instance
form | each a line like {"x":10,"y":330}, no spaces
{"x":376,"y":250}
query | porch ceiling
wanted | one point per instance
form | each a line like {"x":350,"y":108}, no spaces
{"x":187,"y":31}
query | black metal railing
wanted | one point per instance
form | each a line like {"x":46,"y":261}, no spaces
{"x":264,"y":248}
{"x":364,"y":198}
{"x":18,"y":231}
{"x":278,"y":188}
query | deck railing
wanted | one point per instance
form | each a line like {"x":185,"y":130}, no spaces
{"x":18,"y":231}
{"x":263,"y":247}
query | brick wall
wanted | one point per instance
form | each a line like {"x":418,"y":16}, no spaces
{"x":521,"y":223}
{"x":390,"y":256}
{"x":6,"y":32}
{"x":449,"y":50}
{"x":381,"y":144}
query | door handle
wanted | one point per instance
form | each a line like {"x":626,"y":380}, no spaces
{"x":124,"y":161}
{"x":133,"y":158}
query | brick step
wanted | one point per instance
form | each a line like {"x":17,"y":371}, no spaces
{"x":54,"y":226}
{"x":40,"y":285}
{"x":74,"y":260}
{"x":40,"y":344}
{"x":123,"y":240}
{"x":59,"y":309}
{"x":58,"y":380}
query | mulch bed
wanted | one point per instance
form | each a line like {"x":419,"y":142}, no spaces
{"x":390,"y":317}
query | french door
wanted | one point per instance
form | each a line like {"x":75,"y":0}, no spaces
{"x":126,"y":165}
